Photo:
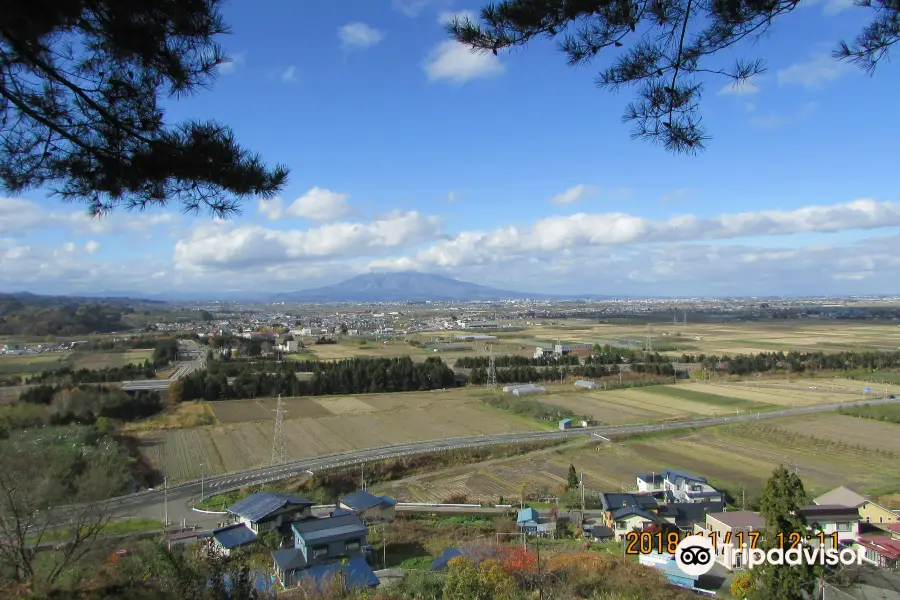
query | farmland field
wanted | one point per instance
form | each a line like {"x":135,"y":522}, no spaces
{"x":311,"y":427}
{"x":826,"y":450}
{"x":734,"y":338}
{"x":29,"y":364}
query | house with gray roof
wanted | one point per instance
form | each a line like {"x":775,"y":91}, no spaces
{"x":321,"y":544}
{"x":265,"y":511}
{"x":369,"y":507}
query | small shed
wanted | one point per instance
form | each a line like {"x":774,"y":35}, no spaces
{"x":565,"y":424}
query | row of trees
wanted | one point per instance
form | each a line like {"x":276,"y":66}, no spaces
{"x":351,"y":376}
{"x":796,"y":362}
{"x":51,"y":405}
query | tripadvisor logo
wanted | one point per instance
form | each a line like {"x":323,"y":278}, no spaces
{"x":695,"y":555}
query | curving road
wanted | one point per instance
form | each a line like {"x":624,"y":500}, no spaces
{"x":150,"y":503}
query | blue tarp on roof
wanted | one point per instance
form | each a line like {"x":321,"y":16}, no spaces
{"x":259,"y":505}
{"x":441,"y":561}
{"x":357,"y":572}
{"x":234,"y":536}
{"x":528,"y":514}
{"x":362,"y":500}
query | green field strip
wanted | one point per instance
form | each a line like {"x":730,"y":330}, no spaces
{"x":711,"y":399}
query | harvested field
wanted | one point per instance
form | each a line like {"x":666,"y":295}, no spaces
{"x":344,"y":405}
{"x":101,"y":360}
{"x":602,"y":411}
{"x":826,"y":450}
{"x":238,"y":445}
{"x":715,"y":401}
{"x":28,"y":364}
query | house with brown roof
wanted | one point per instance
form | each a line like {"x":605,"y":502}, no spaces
{"x":832,"y":519}
{"x":869,"y":512}
{"x":727,"y":527}
{"x":881,"y":551}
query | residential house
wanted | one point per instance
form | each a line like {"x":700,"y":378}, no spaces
{"x":869,"y":512}
{"x":224,"y":540}
{"x":542,"y":352}
{"x":597,"y":531}
{"x":881,"y":551}
{"x":370,"y":508}
{"x":530,"y":522}
{"x":830,"y":519}
{"x":264,"y":511}
{"x":582,"y":353}
{"x":678,"y":486}
{"x":289,"y":346}
{"x":628,"y":512}
{"x":727,"y":526}
{"x":684,"y":515}
{"x":323,"y":546}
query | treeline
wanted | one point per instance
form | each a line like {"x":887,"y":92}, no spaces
{"x":601,"y":355}
{"x":40,"y":316}
{"x":478,"y":375}
{"x":796,"y":362}
{"x":351,"y":376}
{"x":46,"y":405}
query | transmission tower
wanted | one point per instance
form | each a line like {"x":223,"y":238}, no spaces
{"x":279,"y":450}
{"x":492,"y":370}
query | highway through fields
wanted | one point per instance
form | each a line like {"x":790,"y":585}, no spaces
{"x":151,"y":503}
{"x":190,"y":357}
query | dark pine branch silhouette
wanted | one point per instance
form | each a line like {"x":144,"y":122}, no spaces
{"x":81,"y":83}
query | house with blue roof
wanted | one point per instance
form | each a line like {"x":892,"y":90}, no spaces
{"x":265,"y":511}
{"x":369,"y":507}
{"x":321,"y":546}
{"x":531,"y":522}
{"x":224,"y":540}
{"x":679,"y":486}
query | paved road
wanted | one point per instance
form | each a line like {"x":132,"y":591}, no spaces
{"x":150,"y":503}
{"x":191,"y":358}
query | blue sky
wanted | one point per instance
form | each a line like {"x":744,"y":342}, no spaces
{"x":408,"y":152}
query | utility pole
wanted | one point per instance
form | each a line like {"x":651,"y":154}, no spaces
{"x":582,"y":495}
{"x":743,"y":497}
{"x":166,"y":499}
{"x":362,"y":476}
{"x":201,"y":482}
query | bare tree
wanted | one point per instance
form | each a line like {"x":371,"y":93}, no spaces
{"x":44,"y":505}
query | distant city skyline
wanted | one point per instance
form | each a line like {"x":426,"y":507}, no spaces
{"x":408,"y":153}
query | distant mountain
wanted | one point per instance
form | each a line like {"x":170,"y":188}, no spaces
{"x":399,"y":287}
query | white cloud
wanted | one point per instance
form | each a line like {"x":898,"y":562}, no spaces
{"x":319,"y":204}
{"x":742,"y":87}
{"x":450,"y":60}
{"x":224,"y":245}
{"x":91,"y":246}
{"x":18,"y":216}
{"x":411,"y":8}
{"x":556,"y":234}
{"x":814,"y":72}
{"x":232,"y":64}
{"x":451,"y":197}
{"x":674,"y":195}
{"x":358,"y":35}
{"x":272,"y":209}
{"x":446,"y":17}
{"x":575,"y":194}
{"x":289,"y":75}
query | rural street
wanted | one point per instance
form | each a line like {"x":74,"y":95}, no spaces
{"x":150,"y":503}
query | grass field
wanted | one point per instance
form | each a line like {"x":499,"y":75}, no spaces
{"x":734,"y":338}
{"x":827,"y":451}
{"x":30,"y":364}
{"x":320,"y":426}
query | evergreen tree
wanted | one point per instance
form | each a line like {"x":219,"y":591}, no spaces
{"x":782,"y":498}
{"x":572,"y":479}
{"x":663,"y":46}
{"x":80,"y":110}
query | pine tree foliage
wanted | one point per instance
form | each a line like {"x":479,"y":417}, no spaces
{"x":664,"y":47}
{"x":82,"y":88}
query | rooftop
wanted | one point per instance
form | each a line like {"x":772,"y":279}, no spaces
{"x":362,"y":500}
{"x":617,"y":501}
{"x":357,"y":573}
{"x":289,"y":559}
{"x":830,"y":512}
{"x":840,"y":496}
{"x":234,"y":536}
{"x":884,"y":545}
{"x":259,"y":505}
{"x":333,"y":533}
{"x":739,"y":518}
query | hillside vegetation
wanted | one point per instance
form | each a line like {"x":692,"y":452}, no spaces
{"x":29,"y":315}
